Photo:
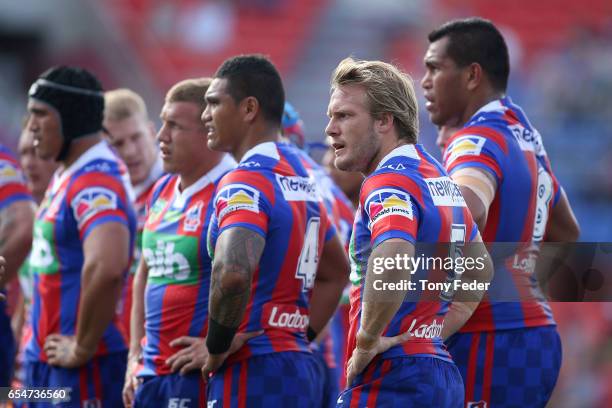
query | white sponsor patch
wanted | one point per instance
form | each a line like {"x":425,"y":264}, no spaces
{"x":528,"y":140}
{"x":296,"y":188}
{"x":388,"y":201}
{"x":288,"y":319}
{"x":468,"y":145}
{"x":425,"y":331}
{"x":445,"y":192}
{"x":234,"y":197}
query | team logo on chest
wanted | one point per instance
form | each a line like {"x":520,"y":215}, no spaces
{"x":193,"y":217}
{"x":388,"y":201}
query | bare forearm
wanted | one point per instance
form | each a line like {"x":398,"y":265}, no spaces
{"x":465,"y":301}
{"x":332,"y":277}
{"x":458,"y":314}
{"x":100,"y":292}
{"x":325,"y":295}
{"x":15,"y":236}
{"x":379,"y":307}
{"x":137,"y":314}
{"x":237,"y":255}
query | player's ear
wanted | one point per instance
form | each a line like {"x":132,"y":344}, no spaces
{"x":249,"y":107}
{"x":474,"y":76}
{"x":384,"y":122}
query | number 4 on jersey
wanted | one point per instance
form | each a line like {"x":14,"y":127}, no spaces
{"x":309,"y":257}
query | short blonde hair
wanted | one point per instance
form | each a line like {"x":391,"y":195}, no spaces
{"x":190,"y":90}
{"x":388,"y":89}
{"x":123,"y":103}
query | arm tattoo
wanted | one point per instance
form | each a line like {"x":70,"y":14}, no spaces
{"x":237,"y":255}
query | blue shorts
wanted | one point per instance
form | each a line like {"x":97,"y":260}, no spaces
{"x":7,"y":347}
{"x":508,"y":368}
{"x":172,"y":390}
{"x":406,"y":382}
{"x":329,"y":376}
{"x":96,"y":384}
{"x":286,"y":379}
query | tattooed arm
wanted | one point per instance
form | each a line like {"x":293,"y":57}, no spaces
{"x":237,"y":254}
{"x":15,"y":236}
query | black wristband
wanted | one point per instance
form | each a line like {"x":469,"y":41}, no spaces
{"x":219,"y":337}
{"x":311,"y":334}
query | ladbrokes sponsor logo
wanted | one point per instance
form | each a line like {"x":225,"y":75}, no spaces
{"x":92,"y":201}
{"x":236,"y":197}
{"x":425,"y":331}
{"x":286,"y":317}
{"x":388,"y":201}
{"x":296,"y":188}
{"x":445,"y":192}
{"x":468,"y":145}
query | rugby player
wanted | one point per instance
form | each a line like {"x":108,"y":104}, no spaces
{"x":330,"y":345}
{"x":509,"y":353}
{"x":373,"y":126}
{"x":38,"y":174}
{"x":16,"y":218}
{"x":83,"y":238}
{"x":173,"y":279}
{"x":278,"y":265}
{"x":132,"y":134}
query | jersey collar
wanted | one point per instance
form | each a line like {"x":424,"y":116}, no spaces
{"x":408,"y":150}
{"x":100,"y":150}
{"x":498,"y":105}
{"x":267,"y":149}
{"x":226,"y":164}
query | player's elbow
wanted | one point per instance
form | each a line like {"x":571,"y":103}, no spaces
{"x":233,"y":281}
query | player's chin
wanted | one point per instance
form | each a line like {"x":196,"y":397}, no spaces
{"x":345,"y":163}
{"x":213,"y":144}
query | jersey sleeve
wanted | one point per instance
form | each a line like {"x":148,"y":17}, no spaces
{"x":244,"y":199}
{"x":389,"y":211}
{"x":96,"y":199}
{"x":476,"y":146}
{"x":12,"y":182}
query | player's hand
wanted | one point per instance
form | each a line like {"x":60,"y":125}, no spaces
{"x":2,"y":276}
{"x":131,"y":382}
{"x":191,"y":357}
{"x":63,"y":351}
{"x":214,"y":361}
{"x":367,"y":348}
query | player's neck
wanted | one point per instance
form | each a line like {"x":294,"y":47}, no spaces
{"x":478,"y":102}
{"x":256,"y":135}
{"x":80,"y":146}
{"x":385,"y":148}
{"x":205,"y":165}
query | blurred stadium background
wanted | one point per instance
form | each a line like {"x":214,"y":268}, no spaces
{"x":561,"y":54}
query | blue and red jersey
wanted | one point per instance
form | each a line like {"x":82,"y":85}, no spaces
{"x":409,"y":196}
{"x":174,"y":249}
{"x":272,"y":194}
{"x":500,"y":140}
{"x":13,"y":186}
{"x":142,"y":193}
{"x":93,"y":191}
